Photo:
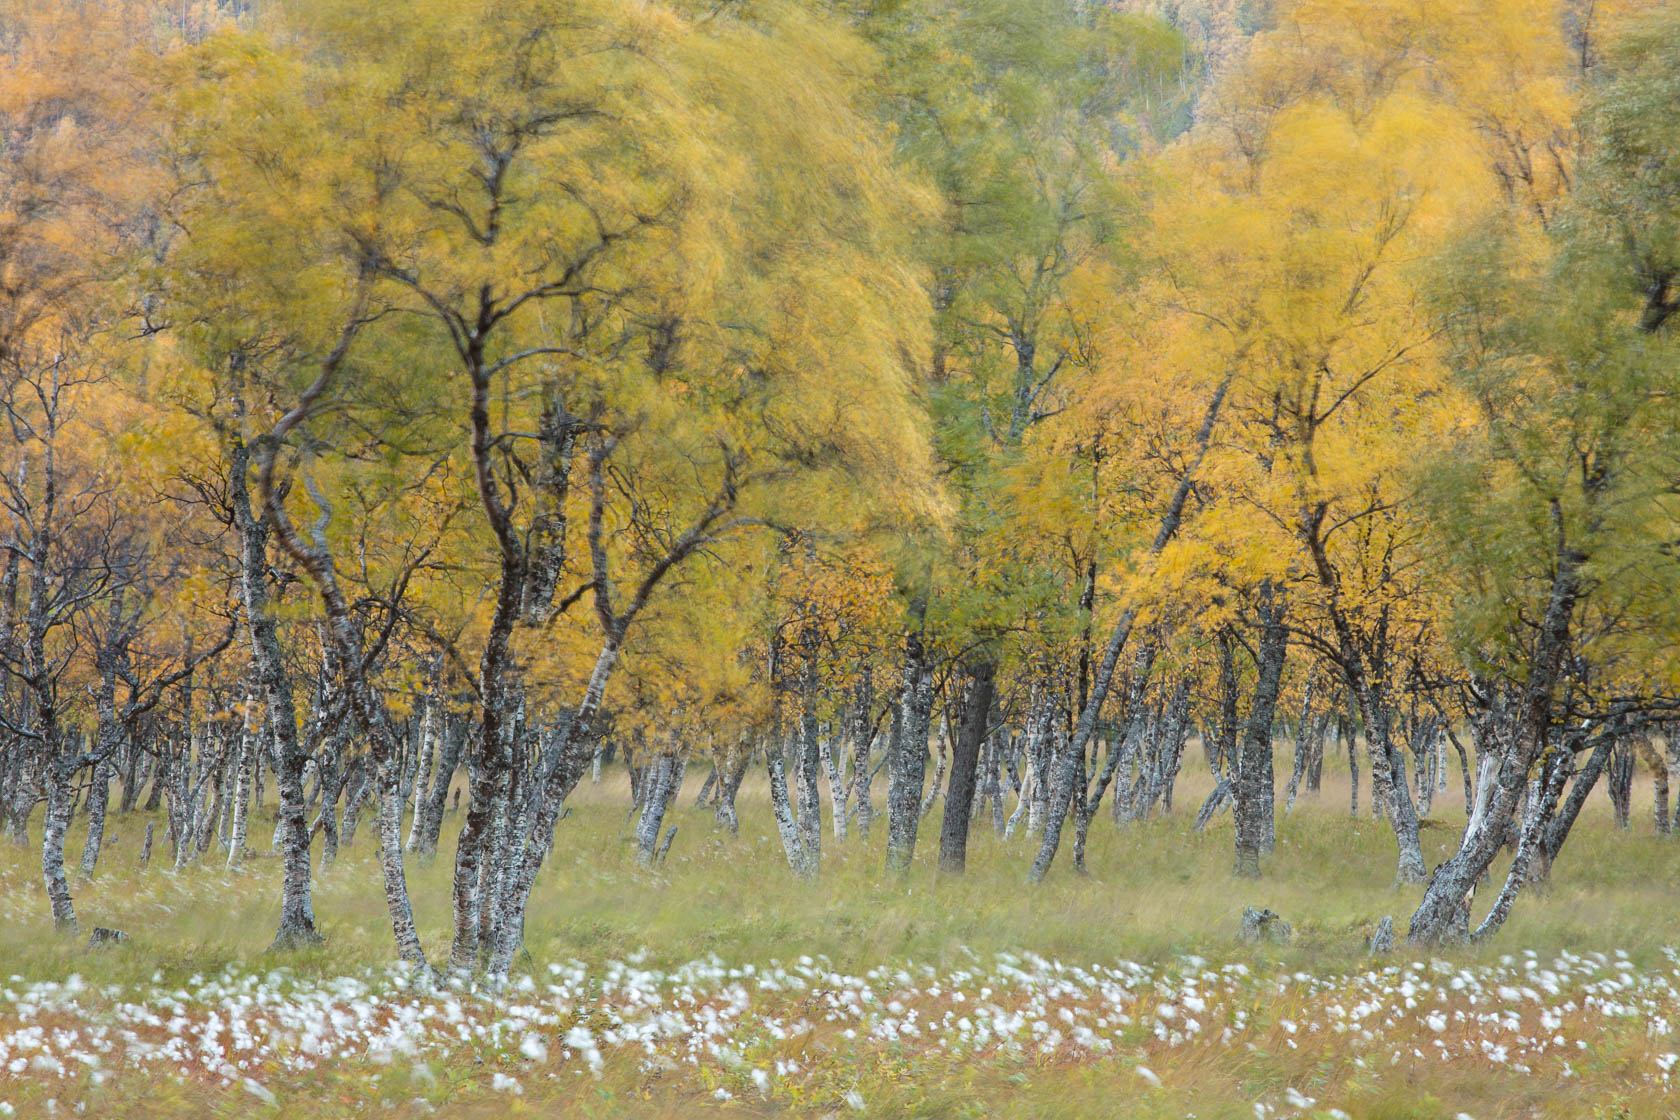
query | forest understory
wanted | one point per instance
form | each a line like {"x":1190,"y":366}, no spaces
{"x":702,"y":988}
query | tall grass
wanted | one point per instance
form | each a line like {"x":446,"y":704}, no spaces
{"x":1153,"y":890}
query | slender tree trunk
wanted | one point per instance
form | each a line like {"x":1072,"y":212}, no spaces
{"x":1039,"y":754}
{"x":1254,"y":788}
{"x":709,"y":788}
{"x":98,"y":797}
{"x":1620,"y":783}
{"x":1315,"y":757}
{"x":836,"y":786}
{"x":160,"y":780}
{"x":241,"y":797}
{"x":131,"y":778}
{"x":863,"y":736}
{"x":424,"y":758}
{"x":942,"y":763}
{"x":1671,"y":767}
{"x":907,"y":768}
{"x":971,"y":735}
{"x":808,"y":760}
{"x":297,"y":911}
{"x":1303,"y":745}
{"x":1659,"y":782}
{"x":358,"y":783}
{"x":1349,"y":737}
{"x":53,"y":831}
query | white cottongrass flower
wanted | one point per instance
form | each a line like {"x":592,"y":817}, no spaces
{"x":1149,"y":1075}
{"x":256,"y":1089}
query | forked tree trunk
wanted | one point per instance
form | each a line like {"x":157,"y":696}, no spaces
{"x":1563,"y":823}
{"x":425,"y":842}
{"x":1315,"y":757}
{"x":332,"y":772}
{"x":1518,"y":749}
{"x":1542,"y":801}
{"x":729,"y":786}
{"x":1062,"y":781}
{"x":664,"y":779}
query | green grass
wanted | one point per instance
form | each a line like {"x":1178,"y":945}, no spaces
{"x":1155,"y":892}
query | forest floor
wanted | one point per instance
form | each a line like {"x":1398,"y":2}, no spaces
{"x":717,"y":986}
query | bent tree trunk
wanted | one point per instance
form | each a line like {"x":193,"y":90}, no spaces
{"x":1542,"y":801}
{"x":1558,"y":829}
{"x":1061,"y":785}
{"x":1436,"y":918}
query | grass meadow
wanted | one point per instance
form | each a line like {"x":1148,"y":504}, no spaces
{"x":718,"y":986}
